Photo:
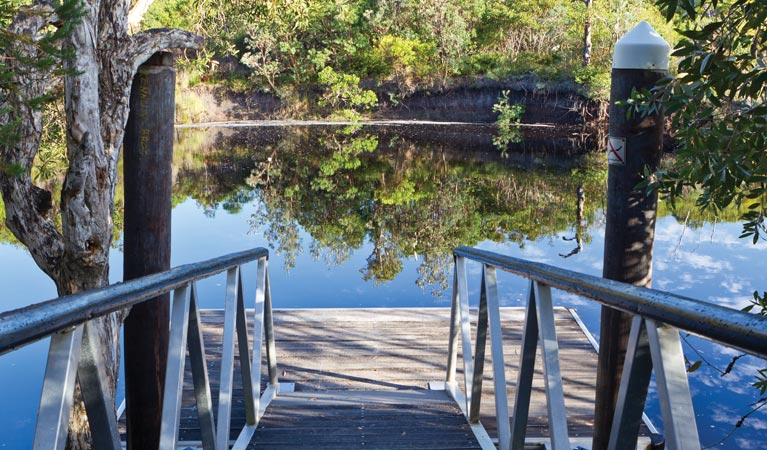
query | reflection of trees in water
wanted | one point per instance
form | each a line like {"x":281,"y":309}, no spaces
{"x":409,"y":197}
{"x":384,"y":262}
{"x":578,"y":238}
{"x":280,"y":229}
{"x":406,"y":201}
{"x":410,"y":193}
{"x":406,"y":197}
{"x":414,"y":172}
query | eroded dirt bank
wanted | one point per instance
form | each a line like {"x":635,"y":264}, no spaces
{"x":464,"y":102}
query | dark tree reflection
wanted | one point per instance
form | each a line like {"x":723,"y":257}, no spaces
{"x":402,"y":194}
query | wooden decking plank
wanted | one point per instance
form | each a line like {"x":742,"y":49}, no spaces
{"x":390,"y":349}
{"x":410,"y":398}
{"x":364,"y":419}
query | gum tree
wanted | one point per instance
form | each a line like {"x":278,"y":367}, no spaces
{"x":84,"y":48}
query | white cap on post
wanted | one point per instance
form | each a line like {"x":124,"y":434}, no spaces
{"x":641,"y":48}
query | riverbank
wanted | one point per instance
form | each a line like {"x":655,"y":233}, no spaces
{"x":470,"y":100}
{"x":534,"y":141}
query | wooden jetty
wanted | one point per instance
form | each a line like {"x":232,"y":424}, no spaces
{"x":361,"y":378}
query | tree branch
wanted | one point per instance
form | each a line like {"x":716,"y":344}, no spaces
{"x":147,"y":43}
{"x":120,"y":60}
{"x":136,"y":14}
{"x":31,"y":19}
{"x":27,"y":207}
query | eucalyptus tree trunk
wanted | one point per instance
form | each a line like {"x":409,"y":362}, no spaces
{"x":97,"y":86}
{"x":587,"y":47}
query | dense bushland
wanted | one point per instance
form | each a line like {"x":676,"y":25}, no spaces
{"x":400,"y":46}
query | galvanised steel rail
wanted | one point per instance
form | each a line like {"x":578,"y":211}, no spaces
{"x":747,"y":332}
{"x":31,"y":323}
{"x":654,"y":347}
{"x":74,"y":354}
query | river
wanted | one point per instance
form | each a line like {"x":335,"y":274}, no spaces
{"x":367,"y":216}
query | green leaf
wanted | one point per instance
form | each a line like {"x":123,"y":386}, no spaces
{"x":705,"y":63}
{"x":695,"y":366}
{"x":671,"y":10}
{"x":689,"y":8}
{"x":710,"y":28}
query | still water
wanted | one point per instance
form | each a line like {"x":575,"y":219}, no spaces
{"x":366,"y":217}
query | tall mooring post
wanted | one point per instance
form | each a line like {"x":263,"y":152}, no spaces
{"x":640,"y":59}
{"x":147,"y":173}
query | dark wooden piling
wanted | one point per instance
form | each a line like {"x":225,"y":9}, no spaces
{"x":635,"y":146}
{"x":148,"y":155}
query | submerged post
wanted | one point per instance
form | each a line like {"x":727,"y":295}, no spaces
{"x":640,"y":59}
{"x":147,"y":172}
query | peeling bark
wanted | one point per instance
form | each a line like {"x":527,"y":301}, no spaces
{"x":96,"y":94}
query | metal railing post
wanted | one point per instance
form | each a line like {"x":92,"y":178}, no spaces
{"x":469,"y":400}
{"x":243,"y":346}
{"x":463,"y":301}
{"x":455,"y":329}
{"x":499,"y":366}
{"x":679,"y":424}
{"x":198,"y":364}
{"x":632,"y":392}
{"x":526,"y":370}
{"x":555,"y":394}
{"x":94,"y":386}
{"x":227,"y":359}
{"x":174,"y":375}
{"x":271,"y":351}
{"x":479,"y":354}
{"x":258,"y":334}
{"x":58,"y":388}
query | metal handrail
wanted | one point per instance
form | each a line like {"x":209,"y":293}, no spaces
{"x":26,"y":325}
{"x":747,"y":332}
{"x":654,"y":346}
{"x":74,"y":353}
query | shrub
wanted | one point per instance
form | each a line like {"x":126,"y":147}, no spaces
{"x":343,"y":95}
{"x":508,"y":119}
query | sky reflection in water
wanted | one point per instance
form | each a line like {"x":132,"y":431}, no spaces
{"x":708,"y":262}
